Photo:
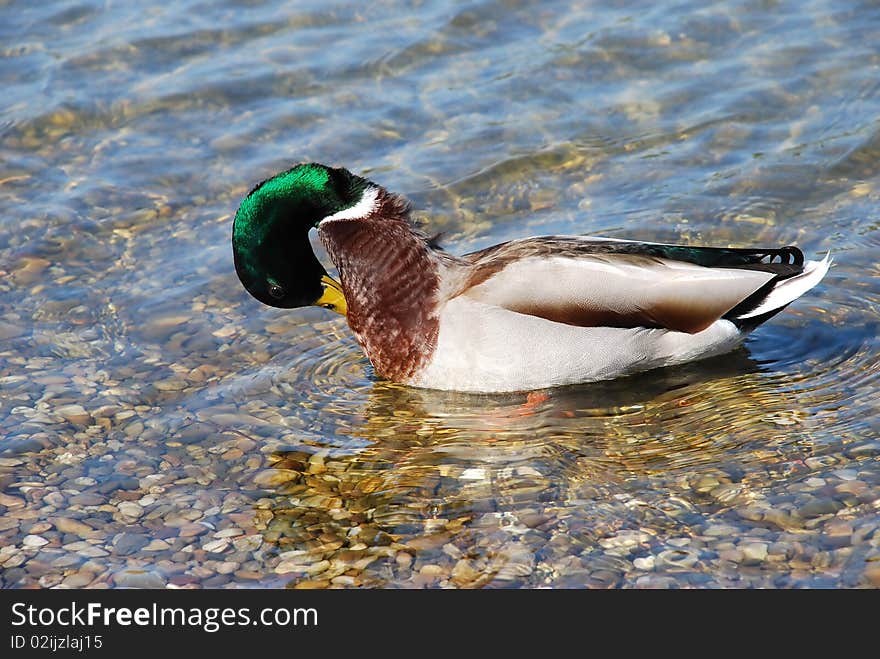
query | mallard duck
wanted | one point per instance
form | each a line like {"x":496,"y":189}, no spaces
{"x":522,"y":315}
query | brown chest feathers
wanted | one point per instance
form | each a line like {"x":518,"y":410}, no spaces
{"x":390,"y":281}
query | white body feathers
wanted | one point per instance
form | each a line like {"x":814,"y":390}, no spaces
{"x":484,"y":347}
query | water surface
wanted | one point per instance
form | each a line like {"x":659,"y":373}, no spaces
{"x":161,"y":428}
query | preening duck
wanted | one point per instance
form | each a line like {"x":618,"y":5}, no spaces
{"x":526,"y":314}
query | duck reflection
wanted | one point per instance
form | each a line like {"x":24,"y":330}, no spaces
{"x":447,"y":489}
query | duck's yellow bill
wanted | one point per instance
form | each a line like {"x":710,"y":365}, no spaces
{"x":332,"y":298}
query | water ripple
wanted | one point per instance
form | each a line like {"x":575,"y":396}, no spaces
{"x":144,"y":396}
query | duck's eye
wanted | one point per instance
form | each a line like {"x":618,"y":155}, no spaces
{"x":276,"y":291}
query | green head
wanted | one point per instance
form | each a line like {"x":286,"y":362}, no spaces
{"x":270,"y":235}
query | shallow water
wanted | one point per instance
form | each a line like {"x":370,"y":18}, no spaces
{"x":161,"y":428}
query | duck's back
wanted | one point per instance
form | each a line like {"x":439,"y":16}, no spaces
{"x":549,"y":311}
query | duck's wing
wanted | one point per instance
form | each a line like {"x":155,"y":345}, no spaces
{"x":593,"y":282}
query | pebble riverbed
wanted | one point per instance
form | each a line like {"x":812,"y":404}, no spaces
{"x":161,"y":429}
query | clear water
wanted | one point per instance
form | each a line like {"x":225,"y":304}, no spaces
{"x":160,"y":427}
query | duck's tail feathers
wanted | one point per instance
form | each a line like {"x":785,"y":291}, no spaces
{"x":784,"y":292}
